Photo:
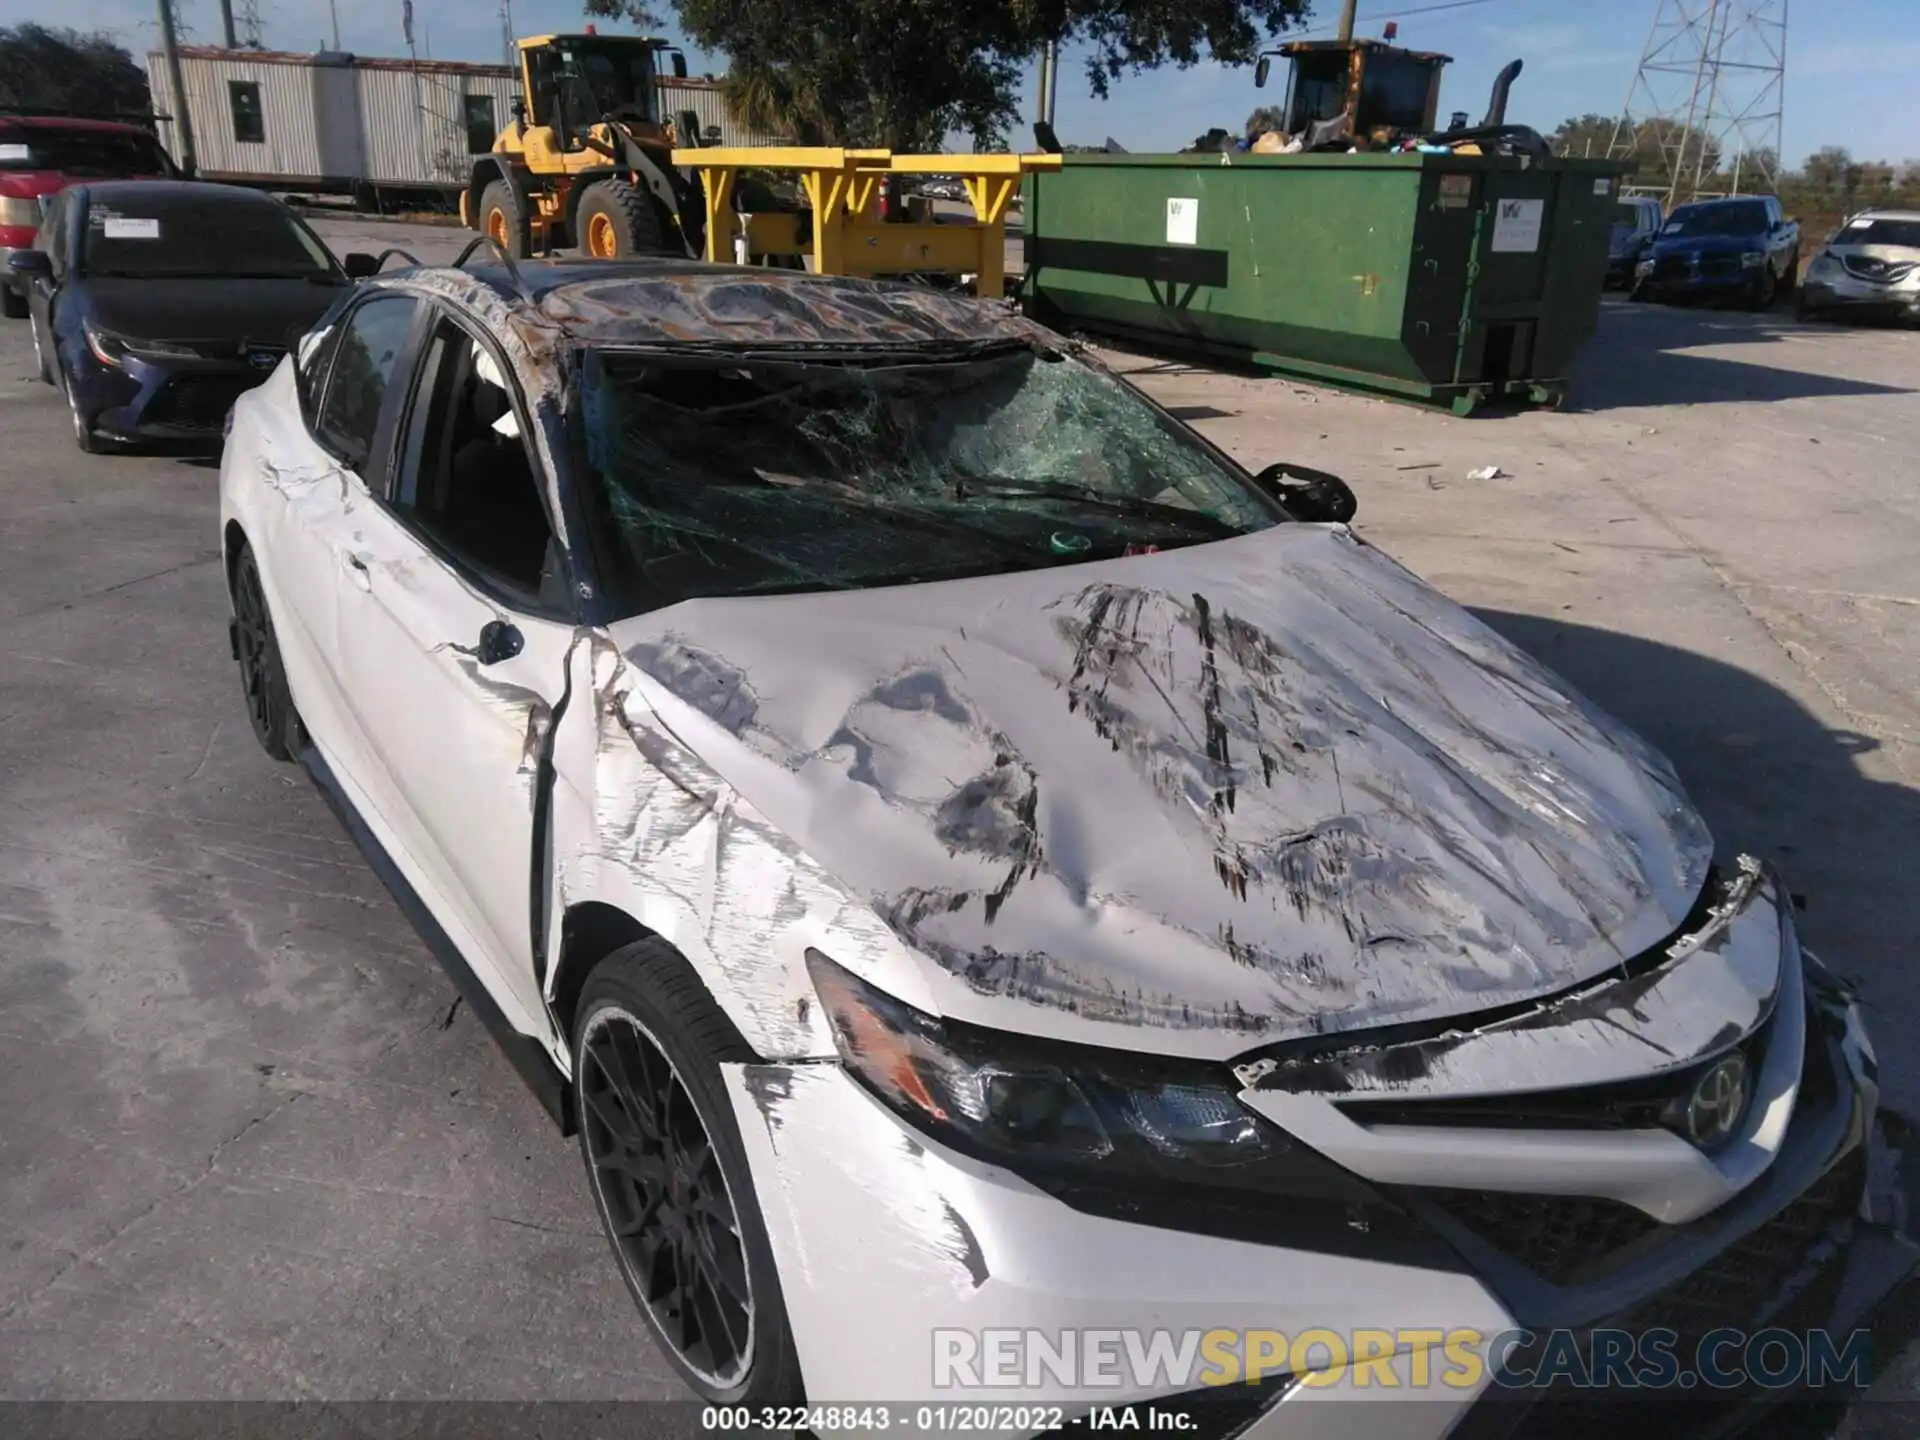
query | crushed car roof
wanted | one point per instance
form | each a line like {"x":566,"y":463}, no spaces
{"x":675,"y":301}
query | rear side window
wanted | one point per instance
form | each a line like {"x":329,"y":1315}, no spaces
{"x":364,"y":356}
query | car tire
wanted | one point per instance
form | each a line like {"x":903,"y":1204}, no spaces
{"x":666,"y":1165}
{"x":1765,"y":290}
{"x":263,"y":678}
{"x":500,"y":219}
{"x":12,"y":303}
{"x":617,"y":221}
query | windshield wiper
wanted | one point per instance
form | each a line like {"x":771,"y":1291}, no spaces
{"x":1091,"y":499}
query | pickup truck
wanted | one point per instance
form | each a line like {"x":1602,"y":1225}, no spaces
{"x":1742,"y":248}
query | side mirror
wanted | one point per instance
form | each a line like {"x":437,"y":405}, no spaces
{"x":679,"y":63}
{"x":1261,"y":72}
{"x":359,"y":265}
{"x":1310,"y":495}
{"x":34,"y":263}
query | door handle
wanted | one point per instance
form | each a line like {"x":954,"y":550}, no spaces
{"x":357,"y":568}
{"x":498,"y":641}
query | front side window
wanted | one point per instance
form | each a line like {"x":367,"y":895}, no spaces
{"x":754,"y":477}
{"x":249,"y":121}
{"x":478,"y":110}
{"x":364,"y":356}
{"x":466,"y":476}
{"x":1393,"y":92}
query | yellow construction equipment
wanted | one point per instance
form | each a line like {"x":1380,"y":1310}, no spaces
{"x":844,"y":231}
{"x":587,"y":159}
{"x":589,"y":162}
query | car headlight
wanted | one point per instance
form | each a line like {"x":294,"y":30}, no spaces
{"x":1753,"y":259}
{"x":1645,"y":267}
{"x":1822,"y":263}
{"x":107,"y":348}
{"x":1017,"y":1098}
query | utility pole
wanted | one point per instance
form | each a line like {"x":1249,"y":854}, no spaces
{"x":182,"y":116}
{"x":333,"y":9}
{"x":226,"y":24}
{"x":1049,"y":81}
{"x":1347,"y":18}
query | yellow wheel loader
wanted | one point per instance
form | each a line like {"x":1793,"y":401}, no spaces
{"x":587,"y":159}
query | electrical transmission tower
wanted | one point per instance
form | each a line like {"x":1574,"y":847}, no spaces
{"x":246,"y":22}
{"x":1709,"y":96}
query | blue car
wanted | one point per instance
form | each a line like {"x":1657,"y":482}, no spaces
{"x":155,"y":303}
{"x":1741,"y":249}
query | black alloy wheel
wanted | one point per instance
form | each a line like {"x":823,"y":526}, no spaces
{"x":263,"y":681}
{"x":666,"y":1202}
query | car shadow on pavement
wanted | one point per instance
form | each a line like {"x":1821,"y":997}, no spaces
{"x":1642,"y":355}
{"x":1773,"y":780}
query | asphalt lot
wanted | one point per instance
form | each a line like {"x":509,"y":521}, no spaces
{"x":251,"y":1149}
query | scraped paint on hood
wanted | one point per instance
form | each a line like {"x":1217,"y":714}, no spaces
{"x":1268,"y":787}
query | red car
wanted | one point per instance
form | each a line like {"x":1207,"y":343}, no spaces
{"x":41,"y":156}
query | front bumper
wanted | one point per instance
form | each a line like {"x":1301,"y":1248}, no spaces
{"x":156,"y":399}
{"x":913,"y":1274}
{"x":1705,"y":284}
{"x":1849,"y":294}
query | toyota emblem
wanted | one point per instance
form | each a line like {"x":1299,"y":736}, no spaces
{"x":1718,"y":1102}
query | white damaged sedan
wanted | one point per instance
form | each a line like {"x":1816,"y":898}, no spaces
{"x":1016,"y":907}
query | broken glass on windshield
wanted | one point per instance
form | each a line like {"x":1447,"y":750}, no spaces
{"x":730,"y":477}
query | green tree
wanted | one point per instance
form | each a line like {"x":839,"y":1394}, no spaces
{"x":1267,"y":117}
{"x":905,"y":73}
{"x":1654,"y":148}
{"x":69,"y":73}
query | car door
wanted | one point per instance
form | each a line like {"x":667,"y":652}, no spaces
{"x":455,"y":634}
{"x":316,"y":447}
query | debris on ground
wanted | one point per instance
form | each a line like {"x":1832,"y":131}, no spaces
{"x":1488,"y":472}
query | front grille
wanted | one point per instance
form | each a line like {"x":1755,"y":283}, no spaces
{"x":198,"y":402}
{"x":1562,"y":1239}
{"x":1880,"y":272}
{"x":1720,"y":263}
{"x":1672,"y":267}
{"x":1786,"y":1273}
{"x":1741,"y":1285}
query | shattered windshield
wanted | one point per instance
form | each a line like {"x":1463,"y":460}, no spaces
{"x":740,"y":477}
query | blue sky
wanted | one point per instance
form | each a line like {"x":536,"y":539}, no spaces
{"x":1849,"y":80}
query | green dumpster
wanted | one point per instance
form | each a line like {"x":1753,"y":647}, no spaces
{"x":1445,"y":278}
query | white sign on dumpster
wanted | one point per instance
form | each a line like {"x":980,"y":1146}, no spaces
{"x":1516,"y":225}
{"x":1183,"y":220}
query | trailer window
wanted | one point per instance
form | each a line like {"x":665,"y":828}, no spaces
{"x":249,"y":123}
{"x":481,"y":131}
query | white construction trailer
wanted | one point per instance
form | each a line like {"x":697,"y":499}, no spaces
{"x":335,"y":123}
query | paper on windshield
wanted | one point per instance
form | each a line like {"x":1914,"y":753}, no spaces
{"x":13,"y":152}
{"x":132,"y":227}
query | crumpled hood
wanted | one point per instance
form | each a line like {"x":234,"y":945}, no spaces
{"x":1271,"y":786}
